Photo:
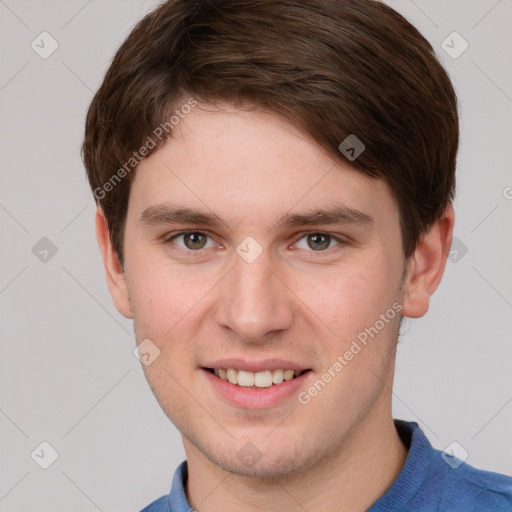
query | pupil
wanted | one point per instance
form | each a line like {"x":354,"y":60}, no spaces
{"x":317,"y":239}
{"x":195,"y":241}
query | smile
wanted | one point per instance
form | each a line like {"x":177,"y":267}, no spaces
{"x":261,"y":379}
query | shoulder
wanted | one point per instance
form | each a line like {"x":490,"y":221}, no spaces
{"x":432,"y":481}
{"x":176,"y":500}
{"x":159,"y":505}
{"x":470,"y":489}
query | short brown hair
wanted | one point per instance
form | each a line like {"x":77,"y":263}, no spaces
{"x":333,"y":68}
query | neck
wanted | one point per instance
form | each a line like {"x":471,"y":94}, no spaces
{"x":351,"y":479}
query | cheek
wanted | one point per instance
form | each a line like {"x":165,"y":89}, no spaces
{"x":164,"y":296}
{"x":350,"y":297}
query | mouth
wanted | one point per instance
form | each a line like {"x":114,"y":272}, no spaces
{"x":262,"y":385}
{"x":256,"y":380}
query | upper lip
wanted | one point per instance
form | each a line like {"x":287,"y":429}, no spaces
{"x":255,"y":366}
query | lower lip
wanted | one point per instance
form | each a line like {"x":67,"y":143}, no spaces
{"x":256,"y":398}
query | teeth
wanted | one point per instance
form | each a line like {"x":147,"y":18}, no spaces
{"x":277,"y":376}
{"x":232,"y":375}
{"x":263,"y":379}
{"x":288,"y":374}
{"x":245,"y":379}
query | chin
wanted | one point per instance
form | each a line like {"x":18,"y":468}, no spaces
{"x":274,"y":460}
{"x":283,"y":466}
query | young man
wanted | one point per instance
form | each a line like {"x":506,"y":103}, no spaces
{"x":274,"y":181}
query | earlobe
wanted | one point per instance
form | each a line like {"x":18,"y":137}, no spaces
{"x":114,"y":273}
{"x":426,"y":266}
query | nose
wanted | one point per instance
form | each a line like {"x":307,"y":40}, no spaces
{"x":254,"y":301}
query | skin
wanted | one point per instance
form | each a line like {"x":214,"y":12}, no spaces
{"x":341,"y":450}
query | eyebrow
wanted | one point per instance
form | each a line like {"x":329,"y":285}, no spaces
{"x":167,"y":213}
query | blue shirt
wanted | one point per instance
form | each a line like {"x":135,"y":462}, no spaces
{"x":426,"y":483}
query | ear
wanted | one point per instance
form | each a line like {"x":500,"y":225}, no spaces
{"x":114,"y":272}
{"x":426,"y":266}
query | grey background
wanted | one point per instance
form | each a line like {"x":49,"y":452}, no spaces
{"x":67,"y":372}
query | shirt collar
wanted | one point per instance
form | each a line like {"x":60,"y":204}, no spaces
{"x":414,"y":471}
{"x":177,"y":498}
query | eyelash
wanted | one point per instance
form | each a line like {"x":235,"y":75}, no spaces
{"x":341,"y":242}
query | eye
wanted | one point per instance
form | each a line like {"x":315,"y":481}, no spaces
{"x":318,"y":242}
{"x":191,"y":240}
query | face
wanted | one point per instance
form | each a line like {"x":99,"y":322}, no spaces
{"x":248,"y":247}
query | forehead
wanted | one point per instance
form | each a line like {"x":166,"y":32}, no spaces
{"x":254,"y":165}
